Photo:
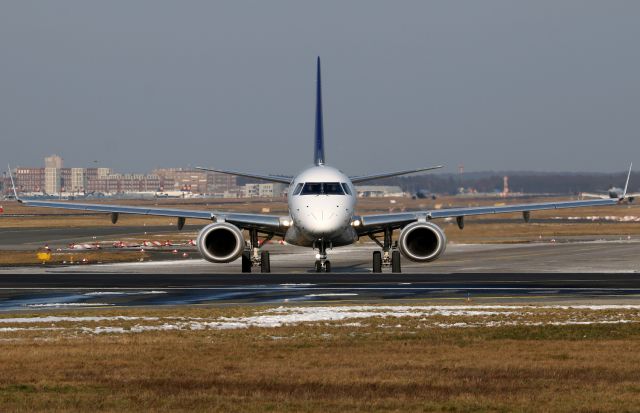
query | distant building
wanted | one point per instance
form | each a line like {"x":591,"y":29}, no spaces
{"x":270,"y":190}
{"x":78,"y":180}
{"x":53,"y":161}
{"x":195,"y":180}
{"x":376,"y":191}
{"x":52,"y":180}
{"x":29,"y":179}
{"x":5,"y":184}
{"x":55,"y":179}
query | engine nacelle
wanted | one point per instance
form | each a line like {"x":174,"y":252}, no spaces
{"x":220,"y":242}
{"x":422,"y":241}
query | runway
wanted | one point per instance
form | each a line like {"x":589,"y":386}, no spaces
{"x":566,"y":257}
{"x":530,"y":273}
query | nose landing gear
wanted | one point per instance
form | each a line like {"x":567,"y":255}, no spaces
{"x":389,"y":256}
{"x":322,"y":264}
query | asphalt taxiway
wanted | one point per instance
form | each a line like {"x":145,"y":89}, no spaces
{"x":532,"y":272}
{"x":567,"y":257}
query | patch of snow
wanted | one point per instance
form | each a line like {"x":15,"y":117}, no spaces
{"x":10,"y":329}
{"x":481,"y":316}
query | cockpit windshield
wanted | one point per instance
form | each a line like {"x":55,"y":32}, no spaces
{"x":322,"y":188}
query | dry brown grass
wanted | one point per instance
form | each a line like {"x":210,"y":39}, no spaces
{"x":11,"y":258}
{"x":478,"y":232}
{"x":326,"y":368}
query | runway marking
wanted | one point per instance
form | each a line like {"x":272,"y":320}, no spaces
{"x":386,"y":287}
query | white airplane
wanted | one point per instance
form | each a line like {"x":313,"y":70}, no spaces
{"x":322,"y":215}
{"x":613,"y":192}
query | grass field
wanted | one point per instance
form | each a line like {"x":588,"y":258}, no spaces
{"x":324,"y":359}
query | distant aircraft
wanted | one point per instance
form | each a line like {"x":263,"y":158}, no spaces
{"x":613,"y":193}
{"x":424,"y":194}
{"x":322,"y":215}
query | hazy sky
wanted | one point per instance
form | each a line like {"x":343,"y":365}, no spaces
{"x":510,"y":85}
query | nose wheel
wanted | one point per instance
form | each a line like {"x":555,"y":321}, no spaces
{"x":322,"y":264}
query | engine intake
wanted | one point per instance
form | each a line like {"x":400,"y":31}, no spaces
{"x":422,"y":241}
{"x":220,"y":242}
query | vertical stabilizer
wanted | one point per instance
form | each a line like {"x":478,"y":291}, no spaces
{"x":318,"y":156}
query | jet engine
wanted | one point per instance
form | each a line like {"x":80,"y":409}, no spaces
{"x":422,"y":241}
{"x":220,"y":242}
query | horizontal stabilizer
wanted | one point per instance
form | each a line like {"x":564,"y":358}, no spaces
{"x":364,"y":178}
{"x":272,"y":178}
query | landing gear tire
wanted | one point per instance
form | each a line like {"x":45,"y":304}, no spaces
{"x":246,"y":261}
{"x":377,"y":261}
{"x":265,"y":262}
{"x":395,"y":262}
{"x":318,"y":266}
{"x":327,"y":266}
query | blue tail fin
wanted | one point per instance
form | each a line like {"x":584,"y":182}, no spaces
{"x":318,"y":156}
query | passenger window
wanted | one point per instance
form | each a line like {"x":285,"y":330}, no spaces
{"x":298,"y":189}
{"x":346,"y":188}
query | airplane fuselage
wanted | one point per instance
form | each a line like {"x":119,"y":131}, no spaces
{"x":321,"y":203}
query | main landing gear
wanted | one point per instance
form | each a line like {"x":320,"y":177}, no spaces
{"x":322,"y":264}
{"x":389,"y":256}
{"x":253,"y":257}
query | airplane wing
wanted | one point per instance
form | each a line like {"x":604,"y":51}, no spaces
{"x":272,"y":178}
{"x":269,"y":223}
{"x":364,"y":178}
{"x":370,"y":224}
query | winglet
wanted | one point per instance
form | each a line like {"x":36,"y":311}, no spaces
{"x":626,"y":185}
{"x":13,"y":185}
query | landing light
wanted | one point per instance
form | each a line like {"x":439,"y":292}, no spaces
{"x":318,"y":256}
{"x":356,"y":223}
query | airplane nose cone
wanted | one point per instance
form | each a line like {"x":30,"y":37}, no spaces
{"x":322,"y":222}
{"x":325,"y":222}
{"x":323,"y":215}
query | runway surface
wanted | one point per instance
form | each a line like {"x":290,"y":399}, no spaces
{"x":532,"y":272}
